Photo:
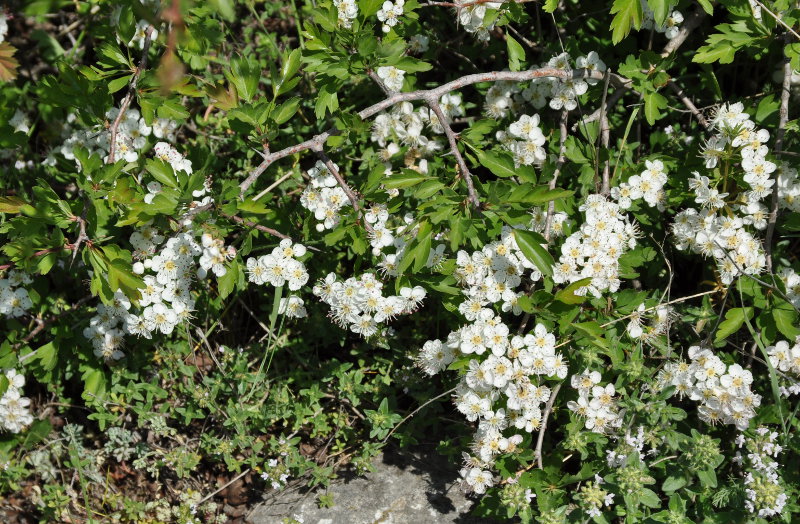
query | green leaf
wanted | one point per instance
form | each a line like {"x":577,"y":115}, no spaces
{"x":653,"y":104}
{"x":707,"y":6}
{"x":499,"y":163}
{"x":568,"y":296}
{"x":407,"y":178}
{"x":244,"y":75}
{"x":227,"y":282}
{"x":286,"y":110}
{"x":550,"y":6}
{"x":172,"y":109}
{"x":369,"y":7}
{"x":734,"y":319}
{"x":47,"y":356}
{"x":516,"y":54}
{"x":673,"y":483}
{"x":291,"y":64}
{"x":11,"y":204}
{"x":786,"y":319}
{"x":708,"y":478}
{"x":161,"y":171}
{"x":118,"y":83}
{"x":627,"y":14}
{"x":122,"y":277}
{"x":530,"y":244}
{"x":224,"y":8}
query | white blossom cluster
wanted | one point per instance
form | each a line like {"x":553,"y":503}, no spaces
{"x":764,"y":495}
{"x":359,"y":304}
{"x":792,"y":282}
{"x":14,"y":299}
{"x":669,"y":28}
{"x":389,"y":14}
{"x":347,"y":11}
{"x":14,"y":412}
{"x":472,"y":17}
{"x":788,"y":186}
{"x":787,"y":360}
{"x":538,"y":223}
{"x":596,"y":404}
{"x":594,"y":250}
{"x":276,"y":474}
{"x":723,"y":391}
{"x":631,"y":446}
{"x":659,"y":323}
{"x":492,"y":275}
{"x":281,"y":267}
{"x":324,"y":197}
{"x":718,"y":229}
{"x":131,"y":137}
{"x":3,"y":26}
{"x":649,"y":185}
{"x":525,"y":140}
{"x":505,"y":97}
{"x":391,"y":77}
{"x":406,"y":126}
{"x":166,"y":298}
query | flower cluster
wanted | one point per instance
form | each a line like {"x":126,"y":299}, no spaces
{"x":472,"y":17}
{"x":791,"y":280}
{"x":324,"y":197}
{"x":524,"y":139}
{"x":786,"y":360}
{"x":594,"y":250}
{"x":358,"y":303}
{"x":166,"y":297}
{"x":14,"y":413}
{"x":669,"y":28}
{"x":170,"y":155}
{"x":14,"y":299}
{"x":276,"y":474}
{"x":723,"y":391}
{"x":347,"y":11}
{"x":131,"y":138}
{"x":661,"y":319}
{"x":389,"y":14}
{"x":561,"y":93}
{"x":649,"y":185}
{"x":281,"y":267}
{"x":764,"y":495}
{"x":595,"y":403}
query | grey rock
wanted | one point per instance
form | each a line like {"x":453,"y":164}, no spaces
{"x":405,"y":488}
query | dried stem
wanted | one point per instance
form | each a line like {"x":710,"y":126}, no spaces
{"x":779,"y":134}
{"x":129,"y":96}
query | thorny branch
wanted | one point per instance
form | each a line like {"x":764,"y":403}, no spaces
{"x":264,"y":229}
{"x":688,"y":103}
{"x":451,"y":138}
{"x":545,"y":416}
{"x":129,"y":96}
{"x":317,"y":142}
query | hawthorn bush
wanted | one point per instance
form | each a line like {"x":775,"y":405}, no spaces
{"x":248,"y":243}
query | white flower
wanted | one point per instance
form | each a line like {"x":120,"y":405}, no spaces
{"x":392,"y":77}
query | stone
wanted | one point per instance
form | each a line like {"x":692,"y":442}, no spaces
{"x":405,"y":488}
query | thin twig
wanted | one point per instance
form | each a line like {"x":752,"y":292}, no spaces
{"x":545,"y":416}
{"x":129,"y":96}
{"x":605,"y":133}
{"x":688,"y":103}
{"x":42,"y":324}
{"x":778,"y":19}
{"x":237,"y":477}
{"x":437,"y":397}
{"x":259,"y":227}
{"x":351,"y":195}
{"x":779,"y":134}
{"x":451,"y":138}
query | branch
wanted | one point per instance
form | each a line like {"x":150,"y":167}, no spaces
{"x":264,"y":229}
{"x":562,"y":158}
{"x":689,"y":104}
{"x":437,"y":397}
{"x":540,"y":439}
{"x":779,"y":134}
{"x":129,"y":96}
{"x":351,"y":195}
{"x":779,"y":20}
{"x":318,"y":141}
{"x":604,"y":138}
{"x":451,"y":138}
